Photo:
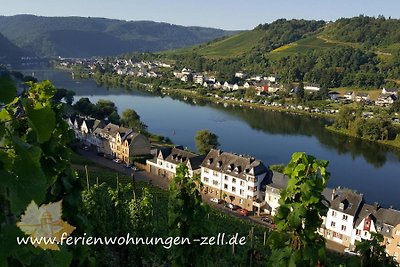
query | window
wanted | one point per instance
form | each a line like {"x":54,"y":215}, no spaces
{"x":241,"y":183}
{"x":343,"y":227}
{"x":241,"y":192}
{"x":358,"y":232}
{"x":215,"y":182}
{"x":226,"y":177}
{"x":365,"y":233}
{"x":234,"y":180}
{"x":333,"y":224}
{"x":206,"y":179}
{"x":344,"y":217}
{"x":225,"y":186}
{"x":215,"y":173}
{"x":395,"y":256}
{"x":388,"y":241}
{"x":398,"y":232}
{"x":333,"y":213}
{"x":233,"y":189}
{"x":205,"y":170}
{"x":398,"y":244}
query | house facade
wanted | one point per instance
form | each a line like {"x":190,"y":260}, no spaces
{"x":238,"y":179}
{"x":168,"y":159}
{"x":341,"y":217}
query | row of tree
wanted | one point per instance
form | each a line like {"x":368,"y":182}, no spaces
{"x":379,"y":127}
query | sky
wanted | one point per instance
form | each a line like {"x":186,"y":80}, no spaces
{"x":224,"y":14}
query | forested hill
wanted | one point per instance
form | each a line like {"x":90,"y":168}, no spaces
{"x":85,"y":37}
{"x":10,"y":53}
{"x":360,"y":51}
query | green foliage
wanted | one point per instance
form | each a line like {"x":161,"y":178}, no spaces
{"x":367,"y":30}
{"x":131,"y":119}
{"x":302,"y":205}
{"x":185,"y":218}
{"x":34,"y":165}
{"x":373,"y":253}
{"x":205,"y":141}
{"x":114,"y":213}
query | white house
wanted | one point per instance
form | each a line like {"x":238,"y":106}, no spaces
{"x":168,"y":159}
{"x":385,"y":99}
{"x":364,"y":224}
{"x":392,"y":91}
{"x":341,"y":216}
{"x":362,"y":97}
{"x":238,"y":179}
{"x":349,"y":95}
{"x":312,"y":87}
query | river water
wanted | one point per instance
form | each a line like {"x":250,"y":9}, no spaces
{"x":272,"y":137}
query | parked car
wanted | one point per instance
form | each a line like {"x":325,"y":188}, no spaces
{"x":128,"y":165}
{"x":118,"y":161}
{"x":350,"y":252}
{"x":267,"y":220}
{"x":134,"y":168}
{"x":86,"y":148}
{"x":231,"y":206}
{"x":216,"y":200}
{"x":243,"y":212}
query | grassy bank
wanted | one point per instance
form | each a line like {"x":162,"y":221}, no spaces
{"x":391,"y":143}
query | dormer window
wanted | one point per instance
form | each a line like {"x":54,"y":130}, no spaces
{"x":341,"y":206}
{"x":219,"y":164}
{"x":237,"y":169}
{"x":210,"y":161}
{"x":230,"y":167}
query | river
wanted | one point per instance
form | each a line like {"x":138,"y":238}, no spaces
{"x":369,"y":168}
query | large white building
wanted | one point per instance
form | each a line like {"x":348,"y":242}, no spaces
{"x":342,"y":214}
{"x":235,"y":178}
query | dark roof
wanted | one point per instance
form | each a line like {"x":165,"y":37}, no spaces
{"x":279,"y":181}
{"x":362,"y":94}
{"x":365,"y":211}
{"x":387,"y":95}
{"x":393,"y":90}
{"x":346,"y":201}
{"x":234,"y":165}
{"x":79,"y":121}
{"x":112,"y":130}
{"x":178,"y":155}
{"x":196,"y":161}
{"x":165,"y":151}
{"x":387,"y":219}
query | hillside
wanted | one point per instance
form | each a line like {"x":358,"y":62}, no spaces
{"x":333,"y":54}
{"x":86,"y":37}
{"x":263,"y":38}
{"x":9,"y":52}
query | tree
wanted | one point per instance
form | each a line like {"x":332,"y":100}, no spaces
{"x":104,"y":108}
{"x":373,"y":253}
{"x":114,"y":117}
{"x":132,"y":120}
{"x":84,"y":106}
{"x":186,"y":213}
{"x":296,"y":241}
{"x":300,"y":92}
{"x":205,"y":141}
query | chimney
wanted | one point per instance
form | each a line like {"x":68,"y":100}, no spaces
{"x":333,"y":194}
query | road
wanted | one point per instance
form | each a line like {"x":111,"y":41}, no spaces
{"x":162,"y":182}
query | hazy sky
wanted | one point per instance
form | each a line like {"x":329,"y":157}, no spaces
{"x":225,"y":14}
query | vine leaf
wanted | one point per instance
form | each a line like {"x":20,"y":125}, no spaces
{"x":28,"y":181}
{"x":45,"y":222}
{"x":7,"y":90}
{"x":43,"y":121}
